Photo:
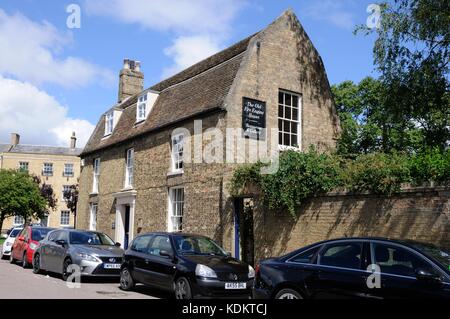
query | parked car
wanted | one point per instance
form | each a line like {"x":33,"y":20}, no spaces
{"x":189,"y":265}
{"x":10,"y":238}
{"x":95,"y":253}
{"x":348,"y":268}
{"x":26,"y":243}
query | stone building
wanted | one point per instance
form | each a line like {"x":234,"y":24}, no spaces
{"x":160,"y":160}
{"x":55,"y":166}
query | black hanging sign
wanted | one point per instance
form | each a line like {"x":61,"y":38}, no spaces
{"x":253,"y":118}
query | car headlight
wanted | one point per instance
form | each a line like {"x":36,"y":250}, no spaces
{"x":88,"y":257}
{"x":251,"y":272}
{"x":33,"y":246}
{"x":205,"y":271}
{"x":9,"y":244}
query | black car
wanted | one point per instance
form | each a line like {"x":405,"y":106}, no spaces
{"x":356,"y":268}
{"x":190,"y":265}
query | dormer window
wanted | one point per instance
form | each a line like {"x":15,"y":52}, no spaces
{"x":141,"y":111}
{"x":109,"y":122}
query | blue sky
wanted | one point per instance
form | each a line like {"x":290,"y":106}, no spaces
{"x":54,"y":79}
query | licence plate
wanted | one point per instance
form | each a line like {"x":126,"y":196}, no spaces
{"x":111,"y":266}
{"x":235,"y":285}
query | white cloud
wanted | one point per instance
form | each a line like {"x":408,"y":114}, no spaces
{"x":30,"y":50}
{"x":333,"y":12}
{"x":200,"y":26}
{"x":38,"y":117}
{"x":188,"y":50}
{"x":172,"y":15}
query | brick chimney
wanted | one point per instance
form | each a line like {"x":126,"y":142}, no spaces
{"x":15,"y":139}
{"x":73,"y":140}
{"x":131,"y":79}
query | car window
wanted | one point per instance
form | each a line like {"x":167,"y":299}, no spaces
{"x":140,"y":244}
{"x":90,"y":238}
{"x":398,"y":261}
{"x":305,"y":257}
{"x":197,"y":245}
{"x":52,"y":236}
{"x":344,"y":255}
{"x":62,"y":235}
{"x":14,"y":233}
{"x":38,"y":234}
{"x":158,"y":244}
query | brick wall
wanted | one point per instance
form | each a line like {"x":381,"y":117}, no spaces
{"x":418,"y":214}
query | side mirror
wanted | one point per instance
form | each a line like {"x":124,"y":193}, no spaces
{"x":21,"y":238}
{"x":424,"y":274}
{"x":61,"y":242}
{"x":117,"y":244}
{"x":165,"y":253}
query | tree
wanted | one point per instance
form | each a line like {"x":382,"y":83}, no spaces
{"x":46,"y":192}
{"x":71,"y":197}
{"x":412,"y":54}
{"x":20,"y":195}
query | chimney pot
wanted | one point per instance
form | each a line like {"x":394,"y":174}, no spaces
{"x":73,"y":140}
{"x":131,"y":79}
{"x":15,"y":139}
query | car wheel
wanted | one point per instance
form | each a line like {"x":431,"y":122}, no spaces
{"x":65,"y":272}
{"x":183,"y":289}
{"x":11,"y":258}
{"x":126,"y":280}
{"x":24,"y":260}
{"x":37,"y":264}
{"x":288,"y":294}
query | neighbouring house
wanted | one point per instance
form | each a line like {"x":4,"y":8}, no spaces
{"x":55,"y":166}
{"x":159,"y":159}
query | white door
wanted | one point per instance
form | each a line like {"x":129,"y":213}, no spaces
{"x":93,"y":217}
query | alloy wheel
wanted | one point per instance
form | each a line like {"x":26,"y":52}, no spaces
{"x":182,"y":289}
{"x":66,"y":273}
{"x":126,"y":281}
{"x":288,"y":294}
{"x":36,"y":264}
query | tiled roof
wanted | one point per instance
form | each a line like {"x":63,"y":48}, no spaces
{"x":198,"y":89}
{"x":40,"y":149}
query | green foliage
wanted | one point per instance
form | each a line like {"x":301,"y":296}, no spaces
{"x":377,"y":173}
{"x":431,"y":165}
{"x":302,"y":175}
{"x":20,"y":195}
{"x":412,"y":54}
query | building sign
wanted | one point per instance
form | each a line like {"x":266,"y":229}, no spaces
{"x":253,"y":118}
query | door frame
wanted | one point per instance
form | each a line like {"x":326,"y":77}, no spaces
{"x":124,"y":199}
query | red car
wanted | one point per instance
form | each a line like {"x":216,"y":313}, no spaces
{"x":26,"y":243}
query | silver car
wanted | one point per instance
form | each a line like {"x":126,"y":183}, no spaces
{"x":87,"y":253}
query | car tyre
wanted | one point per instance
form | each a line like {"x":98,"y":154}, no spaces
{"x":183,"y":289}
{"x":126,"y":280}
{"x":288,"y":294}
{"x":12,"y":260}
{"x":37,"y":264}
{"x":25,"y":263}
{"x":65,"y":274}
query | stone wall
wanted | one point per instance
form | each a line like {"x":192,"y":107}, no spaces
{"x":417,"y":214}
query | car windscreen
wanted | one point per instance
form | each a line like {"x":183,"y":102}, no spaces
{"x":90,"y":238}
{"x":15,"y":232}
{"x":197,"y":245}
{"x":37,"y":234}
{"x":441,"y":255}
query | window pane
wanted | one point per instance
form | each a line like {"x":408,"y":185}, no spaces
{"x":280,"y":97}
{"x":287,"y":112}
{"x":345,"y":255}
{"x":287,"y":99}
{"x":294,"y":141}
{"x":305,"y":257}
{"x":294,"y":127}
{"x":280,"y":110}
{"x":398,"y":261}
{"x":294,"y":101}
{"x":287,"y":139}
{"x":295,"y":114}
{"x":140,"y":244}
{"x":280,"y":138}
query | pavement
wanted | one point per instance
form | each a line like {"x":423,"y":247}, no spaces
{"x":19,"y":283}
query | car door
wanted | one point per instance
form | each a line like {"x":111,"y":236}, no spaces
{"x":398,"y":280}
{"x":49,"y":250}
{"x":340,"y":273}
{"x":160,"y":269}
{"x":136,"y":255}
{"x":60,"y":251}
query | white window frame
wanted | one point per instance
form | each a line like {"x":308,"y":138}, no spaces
{"x":176,"y":209}
{"x":18,"y":220}
{"x":64,"y":216}
{"x":284,"y":119}
{"x":68,"y":172}
{"x":93,"y":213}
{"x":142,"y":105}
{"x":109,"y":123}
{"x":23,"y":163}
{"x":96,"y":175}
{"x":129,"y":168}
{"x":177,"y":152}
{"x":45,"y":169}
